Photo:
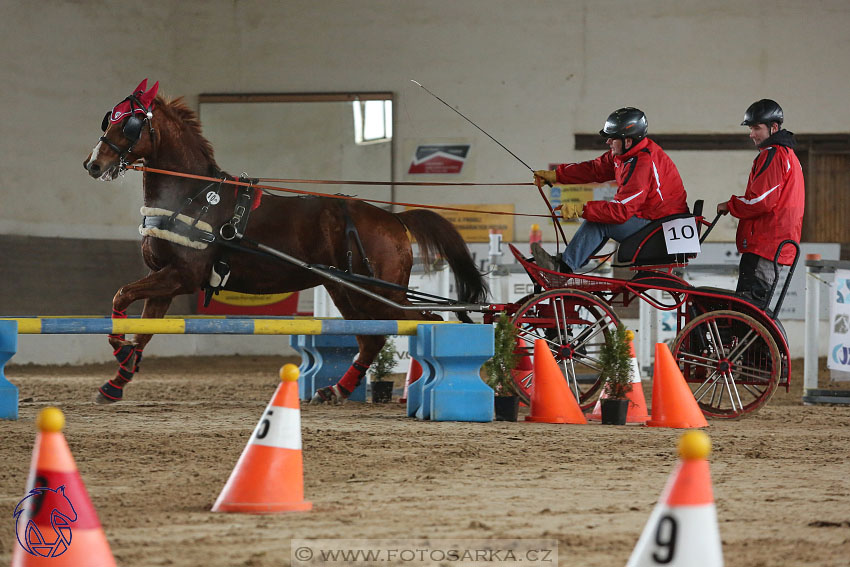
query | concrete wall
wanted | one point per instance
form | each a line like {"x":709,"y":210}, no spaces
{"x":531,"y":73}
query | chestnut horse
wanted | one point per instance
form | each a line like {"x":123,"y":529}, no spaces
{"x":182,"y":239}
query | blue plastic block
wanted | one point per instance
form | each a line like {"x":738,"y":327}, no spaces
{"x":333,"y":355}
{"x":8,"y":391}
{"x":308,"y":364}
{"x":458,"y":393}
{"x":420,"y":346}
{"x":430,"y":372}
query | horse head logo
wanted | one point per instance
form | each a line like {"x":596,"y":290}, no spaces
{"x":53,"y":502}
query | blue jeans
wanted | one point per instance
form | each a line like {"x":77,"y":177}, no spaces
{"x":590,"y":237}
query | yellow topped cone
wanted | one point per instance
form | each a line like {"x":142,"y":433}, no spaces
{"x":55,"y":522}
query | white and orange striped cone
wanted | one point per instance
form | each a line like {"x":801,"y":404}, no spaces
{"x":637,"y":401}
{"x":56,"y":523}
{"x":682,"y":529}
{"x":414,"y":373}
{"x":269,"y":476}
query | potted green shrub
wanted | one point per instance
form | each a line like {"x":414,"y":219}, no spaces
{"x":498,"y":370}
{"x":615,"y":359}
{"x":382,"y":367}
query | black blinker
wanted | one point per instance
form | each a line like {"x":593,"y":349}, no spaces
{"x":133,"y":129}
{"x":105,"y":123}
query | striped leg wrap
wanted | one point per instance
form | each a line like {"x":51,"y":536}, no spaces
{"x":118,"y":315}
{"x":128,"y":357}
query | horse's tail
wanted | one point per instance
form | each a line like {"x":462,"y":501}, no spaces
{"x":436,"y":235}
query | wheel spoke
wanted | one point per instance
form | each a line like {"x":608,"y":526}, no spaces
{"x":714,"y":333}
{"x":762,"y":375}
{"x":745,"y":343}
{"x":572,"y":375}
{"x":730,"y":385}
{"x":710,"y":381}
{"x":523,"y":333}
{"x":753,"y":390}
{"x":697,"y":360}
{"x":704,"y":346}
{"x":574,"y":325}
{"x":555,"y":309}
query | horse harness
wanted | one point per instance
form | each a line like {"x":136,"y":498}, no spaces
{"x":195,"y":233}
{"x":351,"y":235}
{"x":132,"y":128}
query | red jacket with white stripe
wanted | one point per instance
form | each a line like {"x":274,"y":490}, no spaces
{"x":771,"y":210}
{"x":649,"y":185}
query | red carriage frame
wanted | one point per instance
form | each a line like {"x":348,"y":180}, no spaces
{"x":733,"y":352}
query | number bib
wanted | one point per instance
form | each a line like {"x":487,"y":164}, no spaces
{"x":681,"y":236}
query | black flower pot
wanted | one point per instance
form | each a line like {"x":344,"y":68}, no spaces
{"x":382,"y":391}
{"x":506,"y":407}
{"x":614,"y":412}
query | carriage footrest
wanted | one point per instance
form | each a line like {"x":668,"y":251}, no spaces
{"x":816,"y":396}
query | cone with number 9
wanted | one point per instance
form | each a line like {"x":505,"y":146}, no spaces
{"x":269,"y":476}
{"x":682,"y":529}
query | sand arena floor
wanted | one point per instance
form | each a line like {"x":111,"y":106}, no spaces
{"x":155,"y":463}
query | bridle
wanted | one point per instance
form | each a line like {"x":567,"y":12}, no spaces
{"x":132,"y":130}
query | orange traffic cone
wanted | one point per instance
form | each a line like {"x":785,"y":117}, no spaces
{"x":682,"y":529}
{"x":637,"y":402}
{"x":673,"y":404}
{"x":551,"y":398}
{"x":269,"y":476}
{"x":414,"y":373}
{"x":55,"y":523}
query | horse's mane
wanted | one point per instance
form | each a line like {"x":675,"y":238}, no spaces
{"x":177,"y":110}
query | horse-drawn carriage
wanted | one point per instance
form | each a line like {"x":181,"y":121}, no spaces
{"x":732,"y":351}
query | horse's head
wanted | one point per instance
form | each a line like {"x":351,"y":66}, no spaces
{"x":125,"y":138}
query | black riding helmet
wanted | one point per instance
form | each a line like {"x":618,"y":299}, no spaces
{"x":625,"y":123}
{"x":764,"y":111}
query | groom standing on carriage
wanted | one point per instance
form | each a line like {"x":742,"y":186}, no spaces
{"x":648,"y":188}
{"x":771,"y":209}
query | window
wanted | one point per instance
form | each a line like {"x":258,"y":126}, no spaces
{"x":373,"y":121}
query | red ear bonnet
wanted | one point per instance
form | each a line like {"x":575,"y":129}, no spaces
{"x":147,"y":98}
{"x":127,"y":106}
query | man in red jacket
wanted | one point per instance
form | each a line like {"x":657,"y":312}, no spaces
{"x":771,"y":209}
{"x":649,"y":187}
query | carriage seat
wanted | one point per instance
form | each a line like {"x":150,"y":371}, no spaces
{"x":646,"y":247}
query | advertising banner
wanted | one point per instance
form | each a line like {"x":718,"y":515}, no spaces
{"x":838,"y":356}
{"x":439,"y":159}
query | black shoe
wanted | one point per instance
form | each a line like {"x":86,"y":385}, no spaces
{"x":543,"y":259}
{"x":563,"y":268}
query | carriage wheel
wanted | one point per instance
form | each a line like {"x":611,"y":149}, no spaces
{"x":575,"y":325}
{"x":730,"y":361}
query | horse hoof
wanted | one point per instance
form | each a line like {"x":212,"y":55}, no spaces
{"x":103,"y":400}
{"x":109,"y":393}
{"x":330,"y":395}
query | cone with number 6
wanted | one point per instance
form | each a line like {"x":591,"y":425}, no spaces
{"x":682,"y":529}
{"x":269,"y":476}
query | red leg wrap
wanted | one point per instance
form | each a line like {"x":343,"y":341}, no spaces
{"x":352,"y":377}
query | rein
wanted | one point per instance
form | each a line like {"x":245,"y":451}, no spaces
{"x":146,"y":169}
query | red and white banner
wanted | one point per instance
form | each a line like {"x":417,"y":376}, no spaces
{"x":439,"y":159}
